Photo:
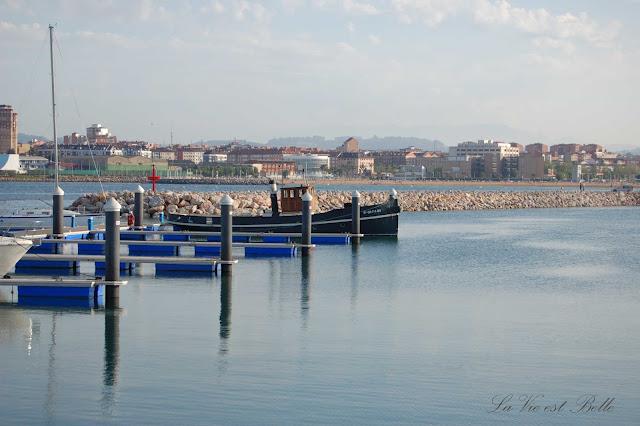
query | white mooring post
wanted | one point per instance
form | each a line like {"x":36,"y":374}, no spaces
{"x":274,"y":199}
{"x":226,"y":233}
{"x":58,"y":213}
{"x":355,"y":217}
{"x":112,"y":252}
{"x":306,"y":223}
{"x":138,"y":207}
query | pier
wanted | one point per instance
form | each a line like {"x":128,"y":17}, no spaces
{"x":116,"y":248}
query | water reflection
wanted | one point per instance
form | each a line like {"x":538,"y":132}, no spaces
{"x":225,"y":308}
{"x":273,"y":279}
{"x":305,"y":285}
{"x":225,"y":322}
{"x":355,"y":248}
{"x":15,"y":324}
{"x":51,"y":371}
{"x":110,"y":374}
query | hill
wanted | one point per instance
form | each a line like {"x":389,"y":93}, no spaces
{"x":25,"y":137}
{"x":373,"y":143}
{"x":221,"y":142}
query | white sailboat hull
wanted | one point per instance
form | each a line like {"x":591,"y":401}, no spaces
{"x":11,"y":250}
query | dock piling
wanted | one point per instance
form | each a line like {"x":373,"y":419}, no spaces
{"x":306,"y":223}
{"x":112,"y":251}
{"x":138,"y":207}
{"x":274,"y":199}
{"x":58,"y":213}
{"x":226,"y":230}
{"x":355,"y":218}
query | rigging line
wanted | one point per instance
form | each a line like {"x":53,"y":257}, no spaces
{"x":77,"y":108}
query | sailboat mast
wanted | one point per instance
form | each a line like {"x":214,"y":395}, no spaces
{"x":53,"y":106}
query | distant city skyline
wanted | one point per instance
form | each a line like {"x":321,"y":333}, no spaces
{"x":456,"y":70}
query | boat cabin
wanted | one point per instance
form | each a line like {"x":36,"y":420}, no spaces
{"x":291,"y":198}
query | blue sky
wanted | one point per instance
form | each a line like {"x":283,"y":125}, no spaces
{"x":454,"y":70}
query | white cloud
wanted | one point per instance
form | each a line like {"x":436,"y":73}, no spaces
{"x":149,"y":10}
{"x":354,"y":6}
{"x":19,"y":32}
{"x":11,"y":27}
{"x":553,"y":43}
{"x":373,"y":39}
{"x":214,"y":7}
{"x":345,"y":47}
{"x":292,"y":5}
{"x":14,"y":4}
{"x":538,"y":22}
{"x":107,"y":38}
{"x":255,"y":10}
{"x":542,"y":22}
{"x":431,"y":12}
{"x":351,"y":28}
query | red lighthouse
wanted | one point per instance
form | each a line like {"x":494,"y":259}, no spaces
{"x":153,"y":178}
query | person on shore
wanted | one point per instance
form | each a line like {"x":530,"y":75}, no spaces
{"x":130,"y":219}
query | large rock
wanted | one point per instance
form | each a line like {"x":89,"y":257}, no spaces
{"x":155,"y":201}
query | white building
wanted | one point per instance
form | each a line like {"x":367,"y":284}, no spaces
{"x":137,"y":151}
{"x":33,"y":162}
{"x":196,"y":156}
{"x":96,"y":131}
{"x":465,"y":150}
{"x":97,"y":134}
{"x":81,"y":151}
{"x":576,"y":173}
{"x":215,"y":158}
{"x":312,"y":165}
{"x":163,"y":154}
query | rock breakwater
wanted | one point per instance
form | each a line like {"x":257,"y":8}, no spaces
{"x":255,"y":202}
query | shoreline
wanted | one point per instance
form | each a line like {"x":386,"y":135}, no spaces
{"x":336,"y":182}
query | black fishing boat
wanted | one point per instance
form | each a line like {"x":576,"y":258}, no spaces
{"x":285,"y":216}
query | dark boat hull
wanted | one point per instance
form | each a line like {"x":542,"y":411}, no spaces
{"x":379,"y":219}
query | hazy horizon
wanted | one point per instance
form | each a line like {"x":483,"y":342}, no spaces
{"x":454,"y":70}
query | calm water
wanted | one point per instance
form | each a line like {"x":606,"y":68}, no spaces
{"x":427,"y":329}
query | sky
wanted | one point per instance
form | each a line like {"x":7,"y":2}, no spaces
{"x":453,"y":70}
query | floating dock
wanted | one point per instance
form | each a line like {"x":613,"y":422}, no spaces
{"x":162,"y":263}
{"x":166,"y":248}
{"x":71,"y":291}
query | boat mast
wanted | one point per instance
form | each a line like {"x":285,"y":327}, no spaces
{"x":53,"y":107}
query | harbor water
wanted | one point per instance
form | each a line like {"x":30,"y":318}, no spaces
{"x":440,"y":326}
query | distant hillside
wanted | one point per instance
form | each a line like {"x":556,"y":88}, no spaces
{"x":24,"y":137}
{"x":396,"y":142}
{"x":374,"y":143}
{"x":221,"y":142}
{"x":635,"y":151}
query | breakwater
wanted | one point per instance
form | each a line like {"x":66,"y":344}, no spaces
{"x":255,"y":202}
